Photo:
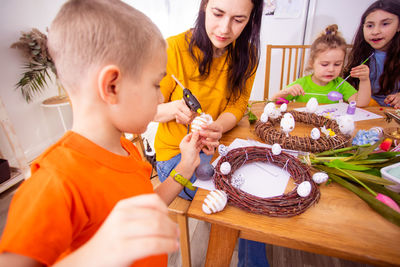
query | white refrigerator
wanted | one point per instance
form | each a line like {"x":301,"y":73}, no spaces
{"x":297,"y":22}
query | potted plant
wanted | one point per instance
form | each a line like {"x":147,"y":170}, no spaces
{"x":33,"y":47}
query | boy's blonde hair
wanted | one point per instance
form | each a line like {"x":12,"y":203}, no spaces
{"x":331,"y":38}
{"x":87,"y":34}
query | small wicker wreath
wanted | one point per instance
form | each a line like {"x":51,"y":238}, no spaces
{"x":270,"y":135}
{"x":286,"y":205}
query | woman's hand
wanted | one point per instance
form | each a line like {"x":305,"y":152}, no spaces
{"x":393,"y":100}
{"x":361,"y":72}
{"x":210,"y":135}
{"x":175,"y":110}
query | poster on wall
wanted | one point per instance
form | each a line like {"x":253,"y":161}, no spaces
{"x":285,"y":9}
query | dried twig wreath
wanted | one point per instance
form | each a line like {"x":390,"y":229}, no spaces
{"x":286,"y":205}
{"x":268,"y":133}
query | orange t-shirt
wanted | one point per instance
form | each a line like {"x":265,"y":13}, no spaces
{"x":74,"y":186}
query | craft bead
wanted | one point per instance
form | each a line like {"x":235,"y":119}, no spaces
{"x":215,"y":201}
{"x":276,"y":149}
{"x":222,"y":150}
{"x":225,"y":168}
{"x":304,"y":189}
{"x":320,"y":177}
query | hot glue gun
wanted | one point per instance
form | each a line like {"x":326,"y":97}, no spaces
{"x":190,"y":100}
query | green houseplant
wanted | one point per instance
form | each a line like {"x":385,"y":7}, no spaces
{"x":36,"y":70}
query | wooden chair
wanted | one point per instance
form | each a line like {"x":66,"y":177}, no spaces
{"x":292,"y":64}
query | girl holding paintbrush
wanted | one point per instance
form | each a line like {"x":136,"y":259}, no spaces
{"x":378,"y":33}
{"x":326,"y":61}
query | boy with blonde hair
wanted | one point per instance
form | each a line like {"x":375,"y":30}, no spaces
{"x":110,"y":58}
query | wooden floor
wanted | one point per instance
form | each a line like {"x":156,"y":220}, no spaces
{"x":199,"y":232}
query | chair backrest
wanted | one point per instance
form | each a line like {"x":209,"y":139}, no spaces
{"x":292,"y":64}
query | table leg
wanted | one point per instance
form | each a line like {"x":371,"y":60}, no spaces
{"x":221,"y":244}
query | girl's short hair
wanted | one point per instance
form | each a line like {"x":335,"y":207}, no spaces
{"x":89,"y":33}
{"x":331,"y":38}
{"x":390,"y":78}
{"x":243,"y":53}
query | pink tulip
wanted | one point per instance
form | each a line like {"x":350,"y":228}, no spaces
{"x":388,"y":201}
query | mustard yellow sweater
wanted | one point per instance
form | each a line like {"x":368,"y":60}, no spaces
{"x":212,"y":93}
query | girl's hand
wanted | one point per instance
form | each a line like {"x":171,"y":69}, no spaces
{"x":361,"y":72}
{"x":393,"y":100}
{"x":294,"y":90}
{"x":210,"y":134}
{"x":190,"y":147}
{"x":182,"y":113}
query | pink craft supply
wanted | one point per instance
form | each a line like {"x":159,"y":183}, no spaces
{"x":388,"y":201}
{"x":281,"y":101}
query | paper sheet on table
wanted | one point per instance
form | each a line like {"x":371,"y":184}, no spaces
{"x":261,"y":179}
{"x":339,"y":109}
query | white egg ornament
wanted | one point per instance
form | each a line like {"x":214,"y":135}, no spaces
{"x":269,"y":107}
{"x":274,"y":114}
{"x":287,"y":124}
{"x":225,"y":168}
{"x":304,"y":189}
{"x":312,"y":105}
{"x":315,"y":134}
{"x":276,"y":149}
{"x":346,"y":124}
{"x":200,"y":120}
{"x":320,"y":177}
{"x":215,"y":201}
{"x":283,"y":107}
{"x":264,"y":117}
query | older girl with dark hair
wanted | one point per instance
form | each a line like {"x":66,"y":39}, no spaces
{"x":378,"y":33}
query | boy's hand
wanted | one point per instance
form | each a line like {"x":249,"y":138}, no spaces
{"x":393,"y":100}
{"x":361,"y":72}
{"x":137,"y":227}
{"x":210,"y":134}
{"x":294,"y":90}
{"x":190,"y":147}
{"x":182,"y":113}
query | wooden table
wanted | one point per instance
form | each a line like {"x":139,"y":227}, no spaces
{"x":339,"y":225}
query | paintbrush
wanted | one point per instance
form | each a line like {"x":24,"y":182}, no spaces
{"x":350,"y":74}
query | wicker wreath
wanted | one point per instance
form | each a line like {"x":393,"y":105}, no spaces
{"x":270,"y":135}
{"x":286,"y":205}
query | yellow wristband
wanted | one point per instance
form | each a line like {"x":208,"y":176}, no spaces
{"x":182,"y":180}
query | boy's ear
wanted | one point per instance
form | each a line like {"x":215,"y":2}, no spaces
{"x":109,"y":83}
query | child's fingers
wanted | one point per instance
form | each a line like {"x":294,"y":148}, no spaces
{"x":152,"y":201}
{"x":144,"y":247}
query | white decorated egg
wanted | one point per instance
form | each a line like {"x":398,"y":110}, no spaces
{"x":225,"y":168}
{"x":269,"y":107}
{"x":304,"y":189}
{"x":215,"y":201}
{"x":315,"y":134}
{"x":283,"y":107}
{"x":276,"y":149}
{"x":346,"y":124}
{"x":200,"y":120}
{"x":312,"y":105}
{"x":320,"y":177}
{"x":274,"y":114}
{"x":222,"y":150}
{"x":287,"y":123}
{"x":264,"y":117}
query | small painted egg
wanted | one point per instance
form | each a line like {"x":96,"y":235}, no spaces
{"x":304,"y":189}
{"x":287,"y":124}
{"x":225,"y":168}
{"x":346,"y":124}
{"x":283,"y":107}
{"x":264,"y":117}
{"x":200,"y":120}
{"x":274,"y":114}
{"x":315,"y":134}
{"x":204,"y":171}
{"x":222,"y":150}
{"x":320,"y":177}
{"x":276,"y":149}
{"x":269,"y":107}
{"x":215,"y":201}
{"x":312,"y":105}
{"x":288,"y":115}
